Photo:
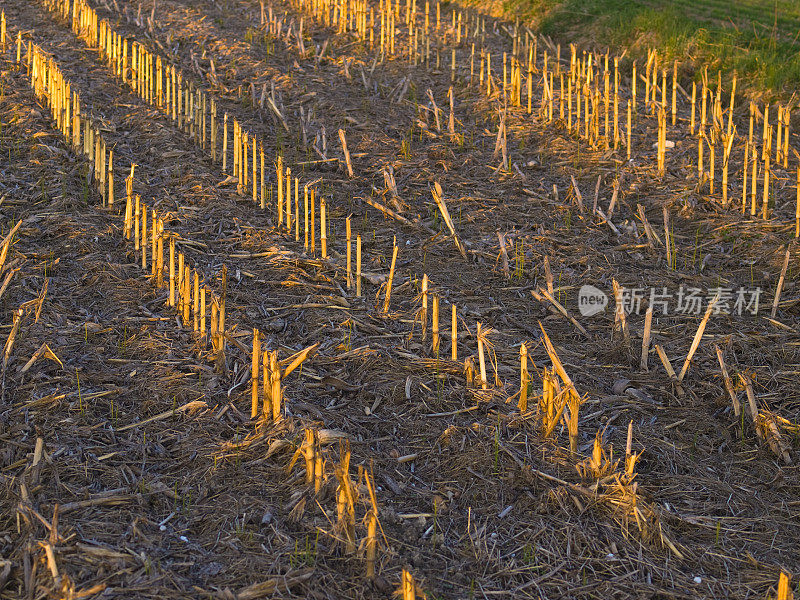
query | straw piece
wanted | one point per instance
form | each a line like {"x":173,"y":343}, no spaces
{"x":697,"y":337}
{"x":436,"y":191}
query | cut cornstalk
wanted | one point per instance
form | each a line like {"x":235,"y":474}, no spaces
{"x":407,"y":586}
{"x":524,"y":379}
{"x":438,"y":197}
{"x":620,"y":322}
{"x":667,"y":238}
{"x":346,"y":495}
{"x":349,"y":255}
{"x":423,"y":313}
{"x":275,"y":375}
{"x":16,"y":320}
{"x":358,"y":265}
{"x":783,"y":586}
{"x":6,"y":244}
{"x":349,"y":164}
{"x":256,"y":360}
{"x":453,"y":333}
{"x":435,"y":326}
{"x":172,"y":270}
{"x":668,"y":368}
{"x":481,"y":357}
{"x":780,"y":283}
{"x":371,"y":543}
{"x":728,"y":383}
{"x":266,"y":383}
{"x":648,"y":321}
{"x":697,"y":337}
{"x":323,"y":227}
{"x":295,"y":360}
{"x":388,"y":296}
{"x":573,"y":404}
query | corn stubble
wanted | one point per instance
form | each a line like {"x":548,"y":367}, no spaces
{"x":583,"y":99}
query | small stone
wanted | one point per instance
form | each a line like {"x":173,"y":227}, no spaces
{"x":620,"y":385}
{"x":276,"y":325}
{"x":382,"y":585}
